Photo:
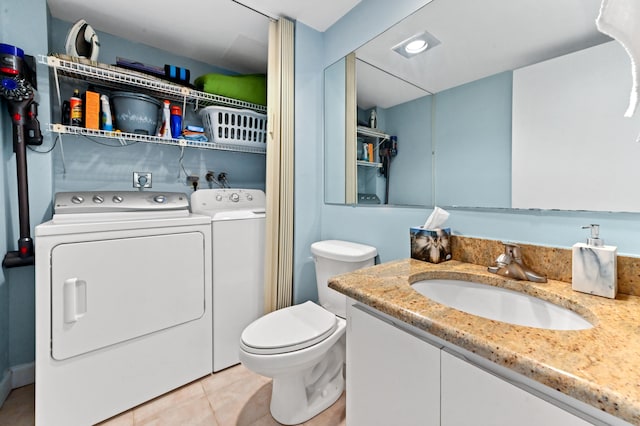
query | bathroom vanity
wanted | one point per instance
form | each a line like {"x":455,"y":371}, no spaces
{"x":443,"y":366}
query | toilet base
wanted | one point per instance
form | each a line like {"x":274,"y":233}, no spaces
{"x":297,"y":398}
{"x":305,"y":382}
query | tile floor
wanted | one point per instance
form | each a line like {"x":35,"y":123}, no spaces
{"x":235,"y":396}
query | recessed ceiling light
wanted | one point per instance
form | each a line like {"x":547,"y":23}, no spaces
{"x":416,"y":44}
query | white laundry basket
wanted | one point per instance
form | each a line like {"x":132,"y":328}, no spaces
{"x":235,"y":127}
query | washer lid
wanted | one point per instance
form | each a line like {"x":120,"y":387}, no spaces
{"x":343,"y":250}
{"x":289,"y":329}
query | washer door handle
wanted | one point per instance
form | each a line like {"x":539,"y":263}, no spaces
{"x":75,"y":299}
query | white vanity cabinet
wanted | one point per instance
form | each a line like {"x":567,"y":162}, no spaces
{"x":471,"y":395}
{"x":400,"y":375}
{"x":393,"y":377}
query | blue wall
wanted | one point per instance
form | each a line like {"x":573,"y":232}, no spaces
{"x":87,"y":165}
{"x":472,"y":132}
{"x":90,"y":165}
{"x":387,"y":227}
{"x":411,"y":123}
{"x":308,"y":191}
{"x":334,"y":78}
{"x":314,"y":52}
{"x":22,"y":24}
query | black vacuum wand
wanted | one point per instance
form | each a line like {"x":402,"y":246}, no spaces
{"x":388,"y":149}
{"x":17,"y":86}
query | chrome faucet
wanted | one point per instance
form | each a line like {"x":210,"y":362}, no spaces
{"x":509,"y":264}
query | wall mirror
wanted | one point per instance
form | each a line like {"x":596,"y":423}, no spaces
{"x":512,"y":105}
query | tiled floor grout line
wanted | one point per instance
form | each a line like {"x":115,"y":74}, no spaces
{"x":229,"y":382}
{"x":206,"y":394}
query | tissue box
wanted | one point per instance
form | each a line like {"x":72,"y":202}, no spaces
{"x":430,"y":245}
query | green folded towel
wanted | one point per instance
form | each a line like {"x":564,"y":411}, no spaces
{"x":250,"y":88}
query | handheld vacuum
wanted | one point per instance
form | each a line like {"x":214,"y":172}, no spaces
{"x":17,"y":86}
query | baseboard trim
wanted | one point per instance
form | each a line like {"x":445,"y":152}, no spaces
{"x":16,"y":377}
{"x":5,"y":386}
{"x":23,"y":374}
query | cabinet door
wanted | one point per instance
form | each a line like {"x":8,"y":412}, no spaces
{"x":472,"y":396}
{"x":393,"y":377}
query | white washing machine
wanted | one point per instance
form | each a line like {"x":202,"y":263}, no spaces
{"x":123,"y":303}
{"x":237,"y":234}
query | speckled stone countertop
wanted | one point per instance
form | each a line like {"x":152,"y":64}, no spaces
{"x":599,"y":366}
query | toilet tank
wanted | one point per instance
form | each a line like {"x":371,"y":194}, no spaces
{"x":334,"y":257}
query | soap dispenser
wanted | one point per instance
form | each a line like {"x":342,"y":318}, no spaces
{"x":594,"y":266}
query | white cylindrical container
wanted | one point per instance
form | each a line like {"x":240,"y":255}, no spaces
{"x":334,"y":257}
{"x":165,"y":130}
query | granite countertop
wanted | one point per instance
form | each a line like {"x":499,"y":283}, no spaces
{"x":599,"y":366}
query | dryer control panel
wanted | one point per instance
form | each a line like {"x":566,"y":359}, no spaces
{"x":209,"y":201}
{"x":118,"y":201}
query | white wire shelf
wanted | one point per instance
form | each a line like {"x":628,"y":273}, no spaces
{"x":374,"y":133}
{"x":119,"y":78}
{"x":368,"y":164}
{"x":125,"y":139}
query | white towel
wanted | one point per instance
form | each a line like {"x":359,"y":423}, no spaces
{"x":620,"y":19}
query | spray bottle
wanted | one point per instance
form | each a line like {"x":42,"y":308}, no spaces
{"x":165,"y":129}
{"x":105,"y":118}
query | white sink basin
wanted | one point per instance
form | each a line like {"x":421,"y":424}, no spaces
{"x":501,"y":304}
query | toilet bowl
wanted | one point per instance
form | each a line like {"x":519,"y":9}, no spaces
{"x":302,"y":347}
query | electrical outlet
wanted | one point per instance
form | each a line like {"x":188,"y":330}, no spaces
{"x":192,"y":180}
{"x":142,"y":179}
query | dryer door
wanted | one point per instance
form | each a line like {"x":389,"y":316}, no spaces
{"x":110,"y":291}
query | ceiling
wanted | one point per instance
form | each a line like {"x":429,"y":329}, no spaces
{"x":490,"y":37}
{"x":225,"y":33}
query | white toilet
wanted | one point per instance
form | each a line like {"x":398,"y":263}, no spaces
{"x":302,"y":347}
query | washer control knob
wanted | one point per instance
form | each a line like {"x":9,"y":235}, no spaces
{"x":218,"y":197}
{"x":98,"y":199}
{"x":77,"y":199}
{"x":160,"y":199}
{"x":234,"y":197}
{"x":249,"y":197}
{"x":117,"y":199}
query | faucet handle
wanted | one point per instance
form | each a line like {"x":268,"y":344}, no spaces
{"x":503,"y":260}
{"x":513,"y":250}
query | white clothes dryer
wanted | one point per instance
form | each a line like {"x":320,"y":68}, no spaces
{"x":237,"y":233}
{"x":123,"y":303}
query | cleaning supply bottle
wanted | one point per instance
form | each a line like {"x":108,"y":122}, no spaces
{"x":365,"y":152}
{"x":66,"y":113}
{"x":594,"y":266}
{"x":373,"y":119}
{"x":106,"y":122}
{"x":165,"y":131}
{"x":176,"y":121}
{"x":75,"y":102}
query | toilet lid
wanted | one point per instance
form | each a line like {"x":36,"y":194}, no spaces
{"x":289,"y":329}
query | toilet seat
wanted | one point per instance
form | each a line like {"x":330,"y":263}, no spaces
{"x":289,"y":329}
